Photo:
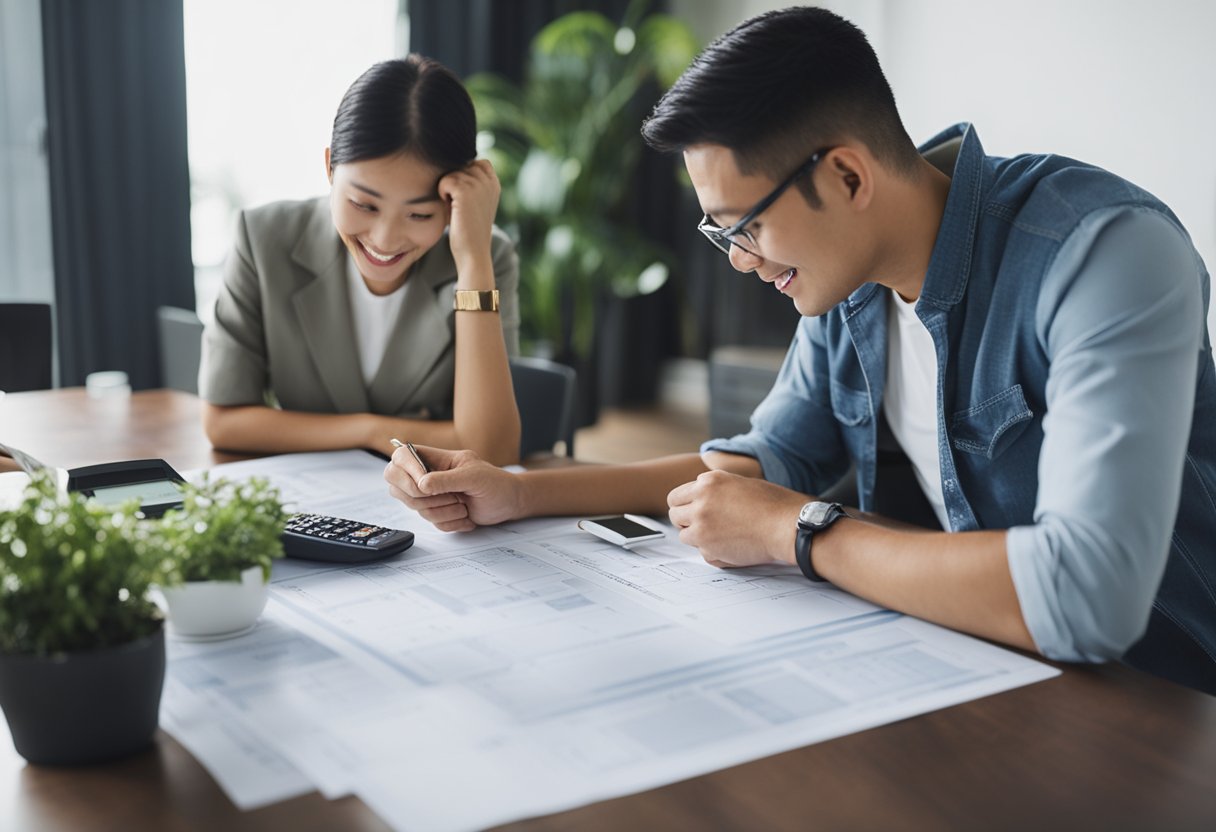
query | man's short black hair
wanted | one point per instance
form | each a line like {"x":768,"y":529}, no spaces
{"x":778,"y":87}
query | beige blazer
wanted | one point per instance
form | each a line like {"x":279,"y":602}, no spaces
{"x":283,"y":331}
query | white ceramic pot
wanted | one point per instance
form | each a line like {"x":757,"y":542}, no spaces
{"x":212,"y":610}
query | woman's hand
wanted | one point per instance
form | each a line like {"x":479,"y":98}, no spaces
{"x":472,"y":195}
{"x":461,"y":492}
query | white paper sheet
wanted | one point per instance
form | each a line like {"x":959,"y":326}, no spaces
{"x":596,"y":692}
{"x":554,"y":669}
{"x":274,"y":689}
{"x":249,"y":771}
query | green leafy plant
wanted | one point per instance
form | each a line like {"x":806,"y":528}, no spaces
{"x":74,"y":575}
{"x":566,"y":145}
{"x":223,"y":528}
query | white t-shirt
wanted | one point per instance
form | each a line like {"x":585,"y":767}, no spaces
{"x":910,"y":400}
{"x":374,"y":317}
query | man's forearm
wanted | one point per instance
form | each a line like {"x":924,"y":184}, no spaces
{"x":639,"y":488}
{"x":960,"y":580}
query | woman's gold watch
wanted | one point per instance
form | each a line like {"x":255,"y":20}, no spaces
{"x":471,"y":300}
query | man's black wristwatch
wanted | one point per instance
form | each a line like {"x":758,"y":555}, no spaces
{"x":814,"y":517}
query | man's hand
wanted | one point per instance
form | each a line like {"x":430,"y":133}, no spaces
{"x":461,"y":493}
{"x":736,"y":520}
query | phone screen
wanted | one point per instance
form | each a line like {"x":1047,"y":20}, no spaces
{"x":625,"y":527}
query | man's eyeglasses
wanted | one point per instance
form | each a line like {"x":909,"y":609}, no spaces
{"x":737,"y":234}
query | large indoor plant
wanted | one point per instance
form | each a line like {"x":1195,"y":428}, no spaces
{"x":82,"y":650}
{"x":566,"y":145}
{"x":222,"y":542}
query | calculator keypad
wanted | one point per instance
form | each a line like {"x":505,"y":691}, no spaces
{"x":337,"y":540}
{"x":337,"y":529}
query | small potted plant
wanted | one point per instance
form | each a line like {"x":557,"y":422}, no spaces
{"x":222,"y":540}
{"x":82,"y":648}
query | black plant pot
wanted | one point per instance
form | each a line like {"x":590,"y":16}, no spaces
{"x":84,"y":707}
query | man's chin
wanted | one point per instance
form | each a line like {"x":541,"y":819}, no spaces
{"x":818,"y":303}
{"x":809,"y":309}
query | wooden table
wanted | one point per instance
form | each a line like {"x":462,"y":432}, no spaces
{"x":1100,"y":747}
{"x":67,"y":428}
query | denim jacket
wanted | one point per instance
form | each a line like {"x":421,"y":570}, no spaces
{"x":1076,"y":400}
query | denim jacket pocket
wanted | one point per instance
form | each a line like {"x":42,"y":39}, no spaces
{"x":989,"y":427}
{"x":850,"y":407}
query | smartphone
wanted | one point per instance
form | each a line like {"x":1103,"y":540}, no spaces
{"x":623,"y":529}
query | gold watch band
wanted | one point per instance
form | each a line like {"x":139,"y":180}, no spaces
{"x":471,"y":300}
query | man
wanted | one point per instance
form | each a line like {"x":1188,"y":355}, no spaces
{"x":1030,"y":331}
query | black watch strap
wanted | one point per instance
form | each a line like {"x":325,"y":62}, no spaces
{"x":802,"y":543}
{"x":802,"y":549}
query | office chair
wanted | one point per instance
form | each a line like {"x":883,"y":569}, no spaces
{"x":544,"y":393}
{"x":26,"y":347}
{"x":181,"y":347}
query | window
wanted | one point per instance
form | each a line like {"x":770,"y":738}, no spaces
{"x":263,"y":81}
{"x":26,"y":268}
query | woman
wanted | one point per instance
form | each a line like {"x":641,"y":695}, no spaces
{"x":386,"y":310}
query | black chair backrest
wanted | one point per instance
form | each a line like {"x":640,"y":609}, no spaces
{"x":544,"y":392}
{"x":181,"y":347}
{"x":25,"y":347}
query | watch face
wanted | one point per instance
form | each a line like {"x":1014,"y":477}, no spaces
{"x":813,"y":514}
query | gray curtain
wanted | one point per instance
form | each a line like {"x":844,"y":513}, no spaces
{"x":120,"y":181}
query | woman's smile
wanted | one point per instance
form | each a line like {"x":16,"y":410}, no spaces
{"x":376,"y":258}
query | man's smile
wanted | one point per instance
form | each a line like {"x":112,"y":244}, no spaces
{"x":782,"y":279}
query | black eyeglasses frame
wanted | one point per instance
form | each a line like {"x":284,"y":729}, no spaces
{"x":722,"y":237}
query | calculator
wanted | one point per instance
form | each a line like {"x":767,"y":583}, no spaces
{"x":333,"y":539}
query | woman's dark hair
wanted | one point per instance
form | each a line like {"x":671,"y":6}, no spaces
{"x":408,"y":105}
{"x":778,"y":87}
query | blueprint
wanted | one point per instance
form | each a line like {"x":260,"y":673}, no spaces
{"x":546,"y":665}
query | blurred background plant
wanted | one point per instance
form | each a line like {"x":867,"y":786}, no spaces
{"x":566,"y":145}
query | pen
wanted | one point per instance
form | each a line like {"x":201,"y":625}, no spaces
{"x":413,"y":452}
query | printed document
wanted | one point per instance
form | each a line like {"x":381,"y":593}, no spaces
{"x":550,"y":667}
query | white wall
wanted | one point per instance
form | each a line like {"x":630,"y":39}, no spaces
{"x":263,"y":81}
{"x":1125,"y":84}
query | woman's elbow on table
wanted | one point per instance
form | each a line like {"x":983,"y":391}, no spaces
{"x":219,"y":428}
